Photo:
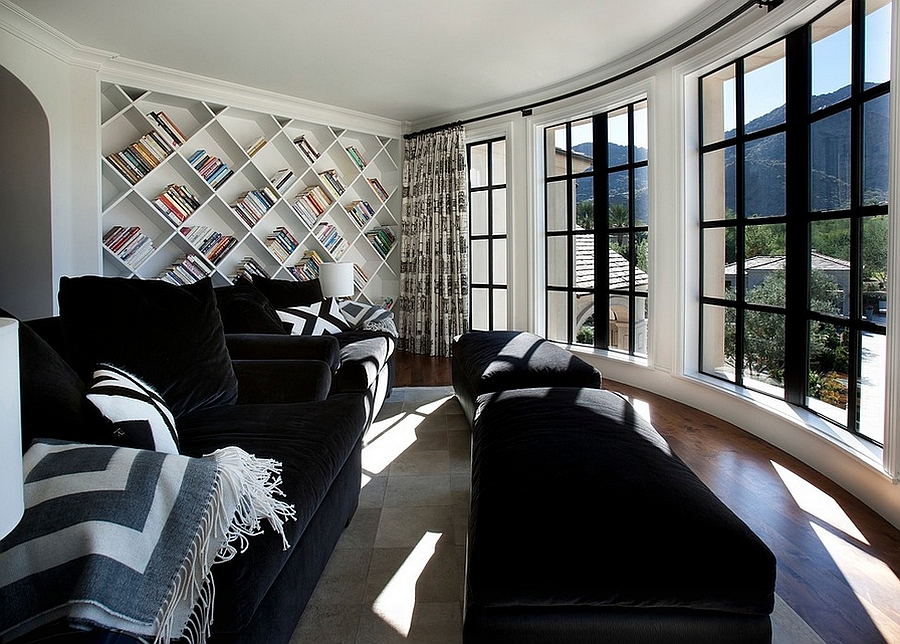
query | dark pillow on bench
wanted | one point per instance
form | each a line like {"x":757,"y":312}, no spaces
{"x":245,"y":309}
{"x":285,"y":293}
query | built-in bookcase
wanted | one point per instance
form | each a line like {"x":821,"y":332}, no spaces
{"x":227,"y":187}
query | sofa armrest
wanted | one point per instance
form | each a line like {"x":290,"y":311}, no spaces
{"x":281,"y":381}
{"x":266,"y":346}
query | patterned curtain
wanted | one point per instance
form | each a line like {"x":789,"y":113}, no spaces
{"x":434,"y":269}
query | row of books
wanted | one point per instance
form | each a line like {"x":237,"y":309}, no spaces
{"x":138,"y":159}
{"x":360,"y":279}
{"x":282,"y":179}
{"x":129,"y":244}
{"x":176,"y":203}
{"x":357,"y":157}
{"x":360,"y":212}
{"x":210,"y":242}
{"x":185,"y":270}
{"x":253,"y":205}
{"x":308,"y":266}
{"x":282,"y":243}
{"x":168,"y":127}
{"x":331,"y":239}
{"x":306,"y":148}
{"x":249,"y":266}
{"x":333,"y":183}
{"x":213,"y":170}
{"x":256,"y":146}
{"x":387,"y":303}
{"x":382,"y":240}
{"x":310,"y":204}
{"x":379,"y":189}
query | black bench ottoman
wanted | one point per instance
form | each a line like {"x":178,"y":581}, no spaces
{"x":486,"y":361}
{"x":585,"y":527}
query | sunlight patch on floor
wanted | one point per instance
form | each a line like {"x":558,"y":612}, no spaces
{"x":396,"y":603}
{"x":381,"y":452}
{"x":431,"y":407}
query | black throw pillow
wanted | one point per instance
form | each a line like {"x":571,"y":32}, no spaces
{"x":245,"y":309}
{"x":169,"y":336}
{"x":285,"y":293}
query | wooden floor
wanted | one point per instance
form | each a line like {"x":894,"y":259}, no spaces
{"x":838,"y":561}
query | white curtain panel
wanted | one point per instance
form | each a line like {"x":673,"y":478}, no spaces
{"x":434,"y":270}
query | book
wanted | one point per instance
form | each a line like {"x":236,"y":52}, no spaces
{"x":306,"y":148}
{"x":256,"y":146}
{"x":357,"y":157}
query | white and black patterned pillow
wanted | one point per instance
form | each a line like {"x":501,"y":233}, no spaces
{"x":316,"y":319}
{"x":139,"y":416}
{"x":368,"y":316}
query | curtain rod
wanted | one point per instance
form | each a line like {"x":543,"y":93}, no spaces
{"x":526,"y":110}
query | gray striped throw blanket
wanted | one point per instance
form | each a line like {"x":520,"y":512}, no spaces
{"x":124,"y":539}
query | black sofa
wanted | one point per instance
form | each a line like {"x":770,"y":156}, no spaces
{"x":585,"y":526}
{"x":282,"y":409}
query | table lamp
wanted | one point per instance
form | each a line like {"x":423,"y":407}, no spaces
{"x":12,"y":499}
{"x":336,"y":279}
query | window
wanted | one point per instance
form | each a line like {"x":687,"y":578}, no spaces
{"x":603,"y":258}
{"x":794,"y":202}
{"x":487,"y":235}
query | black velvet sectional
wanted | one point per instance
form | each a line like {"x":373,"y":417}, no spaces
{"x":585,"y":526}
{"x":274,"y":395}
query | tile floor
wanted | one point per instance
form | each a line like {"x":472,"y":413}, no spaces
{"x":397,"y":572}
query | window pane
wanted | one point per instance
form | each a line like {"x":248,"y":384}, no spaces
{"x":478,"y":166}
{"x":479,"y":261}
{"x":719,"y":105}
{"x":642,"y":259}
{"x":641,"y":326}
{"x":640,"y":132}
{"x":829,"y":264}
{"x":874,"y":268}
{"x":584,"y":261}
{"x":764,"y":264}
{"x":878,"y":41}
{"x":718,"y":272}
{"x":872,"y":386}
{"x":479,"y":309}
{"x":619,"y":266}
{"x":582,"y":145}
{"x":556,"y":150}
{"x":499,"y":214}
{"x":500,"y":319}
{"x":719,"y":182}
{"x":499,"y":276}
{"x":619,"y":318}
{"x":718,"y":341}
{"x":478,"y":213}
{"x":557,"y":261}
{"x":831,"y":59}
{"x":619,"y":198}
{"x":557,"y":206}
{"x":764,"y":187}
{"x":583,"y":316}
{"x":617,"y":127}
{"x":557,"y":316}
{"x":876,"y":150}
{"x":764,"y":93}
{"x":828,"y":365}
{"x":830,"y":163}
{"x":764,"y":352}
{"x":584,"y":203}
{"x":498,"y":163}
{"x":641,"y":197}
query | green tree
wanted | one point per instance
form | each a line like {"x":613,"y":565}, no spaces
{"x":584,"y":214}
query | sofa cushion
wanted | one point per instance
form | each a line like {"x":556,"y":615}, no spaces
{"x":363,"y":357}
{"x":244,"y":309}
{"x":285,"y":293}
{"x":312,"y":441}
{"x":369,"y":317}
{"x":169,"y":336}
{"x":315,"y":319}
{"x":137,"y":415}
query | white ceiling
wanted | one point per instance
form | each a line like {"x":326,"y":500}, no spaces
{"x":410,"y":60}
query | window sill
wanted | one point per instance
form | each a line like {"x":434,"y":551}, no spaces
{"x":617,"y":356}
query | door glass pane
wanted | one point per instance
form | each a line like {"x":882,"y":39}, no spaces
{"x":478,"y":165}
{"x":718,"y":263}
{"x":478,"y":213}
{"x":829,"y":264}
{"x":499,"y":276}
{"x":583,"y":317}
{"x":582,"y":145}
{"x":876,"y":150}
{"x":829,"y":347}
{"x":642,"y":259}
{"x":830,"y":163}
{"x":619,"y":199}
{"x":584,"y":203}
{"x":764,"y":179}
{"x":619,"y":322}
{"x":872,"y":386}
{"x":500,"y":321}
{"x":764,"y":352}
{"x":556,"y":150}
{"x":557,"y":316}
{"x":479,"y":261}
{"x":640,"y":132}
{"x":584,"y":261}
{"x":641,"y":197}
{"x":764,"y":264}
{"x":557,"y":206}
{"x":617,"y":127}
{"x":479,"y":309}
{"x":619,"y":266}
{"x":764,"y":93}
{"x":498,"y":163}
{"x":640,"y":326}
{"x":719,"y":120}
{"x":557,"y":261}
{"x":719,"y":180}
{"x":718,"y":341}
{"x":499,"y":214}
{"x":878,"y":41}
{"x":874,"y":268}
{"x":831,"y":58}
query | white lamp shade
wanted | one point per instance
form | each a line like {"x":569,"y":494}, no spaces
{"x":336,"y":279}
{"x":12,"y":500}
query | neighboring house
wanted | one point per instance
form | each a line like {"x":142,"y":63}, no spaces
{"x":757,"y":269}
